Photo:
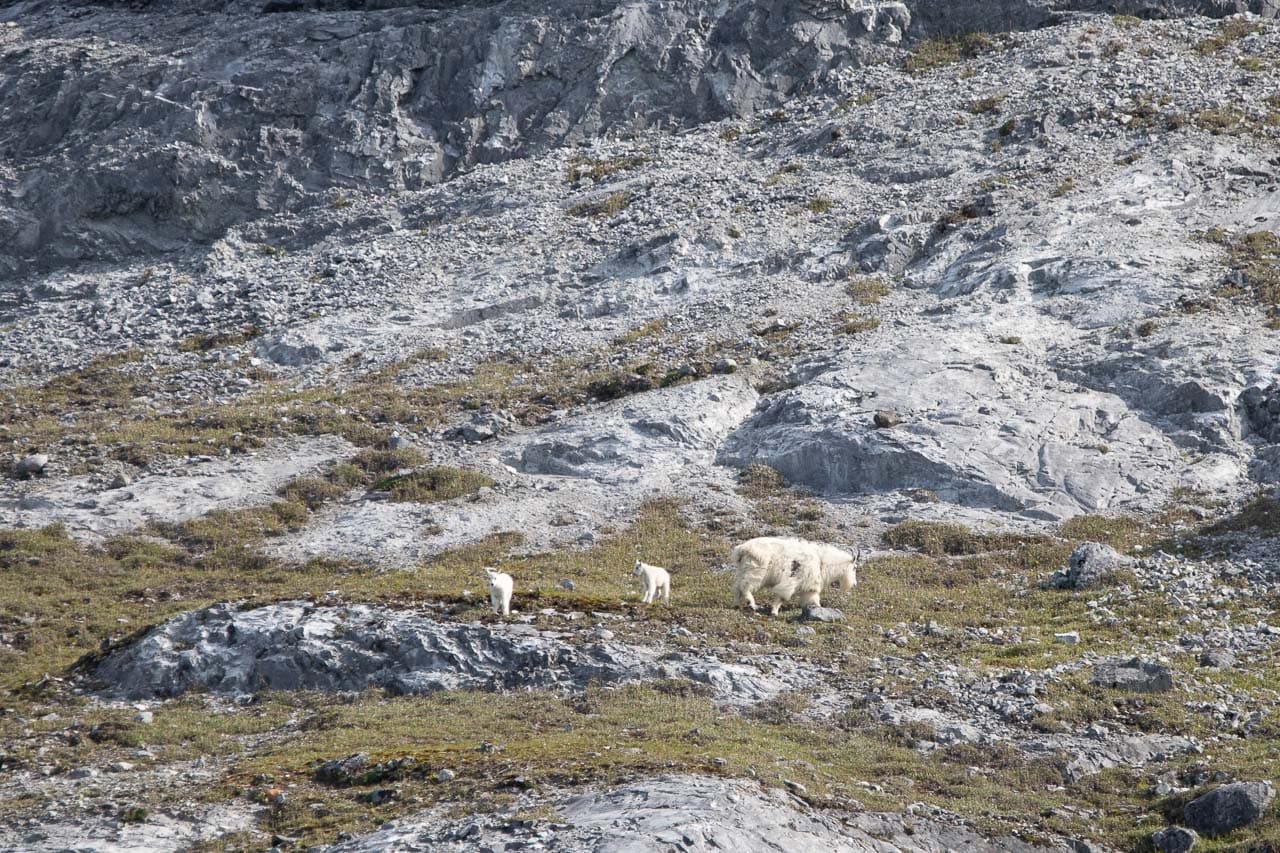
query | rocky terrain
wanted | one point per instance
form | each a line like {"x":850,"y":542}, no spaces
{"x":312,"y":309}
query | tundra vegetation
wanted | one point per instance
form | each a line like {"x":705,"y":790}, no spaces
{"x":958,"y":578}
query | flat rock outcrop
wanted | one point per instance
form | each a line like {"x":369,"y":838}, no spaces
{"x":694,"y":813}
{"x":297,"y":646}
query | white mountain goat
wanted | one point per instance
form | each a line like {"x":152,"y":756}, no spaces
{"x":788,"y":568}
{"x":657,"y":581}
{"x":500,"y":586}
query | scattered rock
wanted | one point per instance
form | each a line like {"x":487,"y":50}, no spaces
{"x":379,"y":796}
{"x":886,"y":419}
{"x":31,"y":466}
{"x":821,"y":614}
{"x":796,"y":788}
{"x":725,"y":365}
{"x":1228,"y":807}
{"x":446,"y":775}
{"x":144,"y":717}
{"x":1218,"y":658}
{"x":1135,"y":674}
{"x":1071,"y":638}
{"x":567,"y":585}
{"x":1175,"y":839}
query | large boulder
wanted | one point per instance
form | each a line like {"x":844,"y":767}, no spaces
{"x":1089,"y":564}
{"x":1135,"y":674}
{"x":1228,"y":807}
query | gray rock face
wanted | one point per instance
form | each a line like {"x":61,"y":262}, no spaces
{"x":1262,"y":409}
{"x":690,"y":813}
{"x":266,"y":110}
{"x":642,"y":436}
{"x":1175,"y":839}
{"x":1228,"y":807}
{"x":1090,"y":563}
{"x":1030,"y":445}
{"x":1134,"y":674}
{"x":92,"y":509}
{"x":297,"y":646}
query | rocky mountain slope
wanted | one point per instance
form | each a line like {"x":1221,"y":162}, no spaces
{"x":310,"y":310}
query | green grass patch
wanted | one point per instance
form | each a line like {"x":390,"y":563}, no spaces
{"x":610,"y":205}
{"x":934,"y":53}
{"x":597,"y":170}
{"x":429,"y":485}
{"x":819,"y":204}
{"x":1229,"y":32}
{"x":206,"y":341}
{"x":1260,"y":516}
{"x":866,"y":289}
{"x":986,"y":105}
{"x":853,"y":323}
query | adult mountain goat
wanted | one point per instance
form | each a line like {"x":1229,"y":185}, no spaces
{"x":790,"y":568}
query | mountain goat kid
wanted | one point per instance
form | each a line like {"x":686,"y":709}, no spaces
{"x":500,"y":586}
{"x":657,"y":580}
{"x":788,"y":568}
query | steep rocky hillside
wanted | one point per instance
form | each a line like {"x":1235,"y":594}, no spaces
{"x":311,"y":310}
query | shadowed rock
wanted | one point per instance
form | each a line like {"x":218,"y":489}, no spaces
{"x":1175,"y":839}
{"x":1228,"y":807}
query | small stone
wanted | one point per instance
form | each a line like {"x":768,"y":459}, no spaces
{"x":446,"y":775}
{"x":795,"y":788}
{"x":120,"y":767}
{"x":804,"y":632}
{"x":144,"y":717}
{"x":1228,"y":807}
{"x":725,"y":365}
{"x":1218,"y":658}
{"x":567,"y":584}
{"x":82,"y":773}
{"x":603,"y":634}
{"x":1071,"y":638}
{"x":822,"y":614}
{"x":1175,"y":839}
{"x":31,"y":466}
{"x":885,"y":419}
{"x":120,"y":480}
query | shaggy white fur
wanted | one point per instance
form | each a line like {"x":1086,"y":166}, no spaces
{"x":788,"y":568}
{"x":500,"y":587}
{"x":657,"y":581}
